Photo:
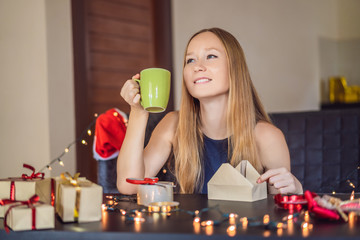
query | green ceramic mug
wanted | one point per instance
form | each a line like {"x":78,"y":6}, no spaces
{"x":154,"y":89}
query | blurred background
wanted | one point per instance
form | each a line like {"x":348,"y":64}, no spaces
{"x":62,"y":61}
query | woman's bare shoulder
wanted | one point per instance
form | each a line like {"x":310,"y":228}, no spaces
{"x":171,"y":119}
{"x":265,"y":131}
{"x":272,"y":147}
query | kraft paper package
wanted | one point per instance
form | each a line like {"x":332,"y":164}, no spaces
{"x":236,"y":184}
{"x":21,"y":217}
{"x":80,"y":201}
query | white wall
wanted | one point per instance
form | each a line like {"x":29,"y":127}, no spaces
{"x":290,"y":46}
{"x":340,"y":54}
{"x":281,"y":40}
{"x":36,"y":94}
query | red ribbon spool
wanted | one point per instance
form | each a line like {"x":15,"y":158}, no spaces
{"x":319,"y":211}
{"x":290,"y":202}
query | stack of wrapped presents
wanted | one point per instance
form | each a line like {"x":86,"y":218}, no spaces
{"x":31,"y":202}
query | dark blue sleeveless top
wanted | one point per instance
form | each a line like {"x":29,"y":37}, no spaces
{"x":215,"y":153}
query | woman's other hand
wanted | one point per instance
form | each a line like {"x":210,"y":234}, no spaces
{"x":281,"y":180}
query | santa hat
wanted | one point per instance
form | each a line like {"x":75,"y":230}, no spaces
{"x":110,"y":129}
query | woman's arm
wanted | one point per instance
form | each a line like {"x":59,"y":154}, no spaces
{"x":133,"y":160}
{"x":275,"y":158}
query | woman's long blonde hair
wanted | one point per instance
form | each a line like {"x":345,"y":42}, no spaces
{"x":244,"y":111}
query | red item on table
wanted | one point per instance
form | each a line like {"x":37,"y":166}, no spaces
{"x":317,"y":210}
{"x":290,"y":202}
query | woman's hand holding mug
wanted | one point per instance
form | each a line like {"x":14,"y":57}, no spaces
{"x":148,"y":90}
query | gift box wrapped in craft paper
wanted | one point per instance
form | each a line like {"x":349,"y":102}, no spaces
{"x":78,"y":199}
{"x":236,"y":184}
{"x":24,"y":187}
{"x":29,"y":215}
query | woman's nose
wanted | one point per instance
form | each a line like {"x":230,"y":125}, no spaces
{"x":199,"y":67}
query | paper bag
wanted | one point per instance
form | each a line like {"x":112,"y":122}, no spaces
{"x":20,"y":217}
{"x":80,"y":203}
{"x":236,"y":184}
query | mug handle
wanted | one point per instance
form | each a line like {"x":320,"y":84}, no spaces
{"x":138,"y":81}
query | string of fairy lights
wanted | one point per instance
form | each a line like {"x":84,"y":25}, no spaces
{"x":81,"y":139}
{"x":232,"y":221}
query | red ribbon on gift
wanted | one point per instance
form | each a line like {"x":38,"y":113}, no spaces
{"x":52,"y":197}
{"x":12,"y":190}
{"x":29,"y":203}
{"x":33,"y":174}
{"x":4,"y":202}
{"x":319,"y":211}
{"x":290,"y":202}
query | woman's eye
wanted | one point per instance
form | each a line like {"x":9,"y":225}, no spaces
{"x":211,"y":56}
{"x":190,"y":60}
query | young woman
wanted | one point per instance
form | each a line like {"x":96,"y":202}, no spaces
{"x":221,"y":119}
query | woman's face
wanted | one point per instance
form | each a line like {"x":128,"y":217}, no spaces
{"x":206,"y":68}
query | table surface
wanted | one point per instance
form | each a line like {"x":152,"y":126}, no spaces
{"x":179,"y":224}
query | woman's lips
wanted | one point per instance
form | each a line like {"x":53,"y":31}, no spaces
{"x":202,"y":80}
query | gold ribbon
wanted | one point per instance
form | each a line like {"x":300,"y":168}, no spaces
{"x":68,"y":179}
